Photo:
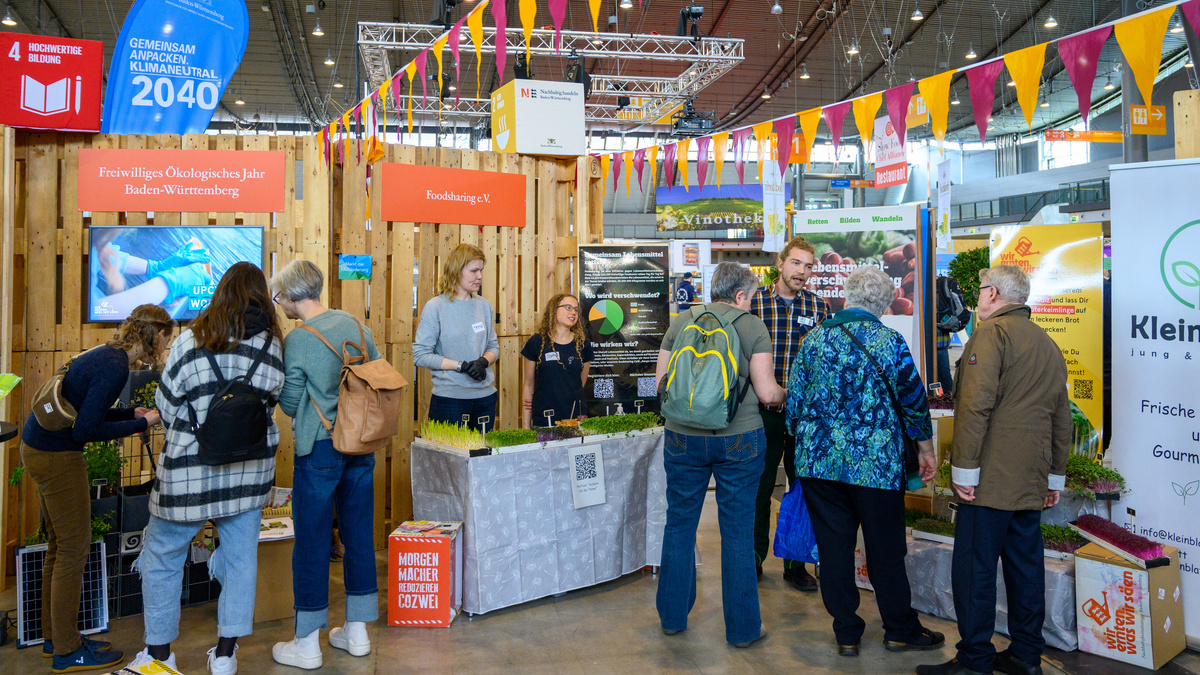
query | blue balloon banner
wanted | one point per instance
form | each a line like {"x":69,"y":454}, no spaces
{"x":171,"y":65}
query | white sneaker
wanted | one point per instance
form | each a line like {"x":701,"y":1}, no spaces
{"x":143,"y":658}
{"x":222,"y":665}
{"x":352,"y":638}
{"x":300,"y":652}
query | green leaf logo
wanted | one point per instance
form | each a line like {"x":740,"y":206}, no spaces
{"x":1186,"y":491}
{"x":1183,"y":278}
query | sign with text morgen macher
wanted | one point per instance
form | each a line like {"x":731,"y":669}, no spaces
{"x":533,"y":117}
{"x":1156,"y":361}
{"x":1066,"y":295}
{"x":435,"y":194}
{"x":50,"y":83}
{"x":194,"y":181}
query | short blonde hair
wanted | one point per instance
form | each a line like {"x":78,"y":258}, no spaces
{"x":299,"y":280}
{"x":797,"y":242}
{"x":452,"y":269}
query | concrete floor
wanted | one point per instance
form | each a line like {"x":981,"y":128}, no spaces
{"x":612,"y":628}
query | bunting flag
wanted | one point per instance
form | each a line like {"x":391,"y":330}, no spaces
{"x":627,"y":160}
{"x":455,"y":36}
{"x":500,"y":16}
{"x":1080,"y":55}
{"x":719,"y":143}
{"x":809,"y":119}
{"x":604,"y":160}
{"x":652,"y":160}
{"x":936,"y":92}
{"x":669,"y":165}
{"x":594,"y":8}
{"x":616,"y":168}
{"x":439,"y":45}
{"x":475,"y":28}
{"x":384,"y":90}
{"x":702,"y":144}
{"x":324,"y":140}
{"x":1191,"y":10}
{"x":342,"y":138}
{"x":981,"y":80}
{"x":835,"y":117}
{"x":865,"y":110}
{"x":558,"y":12}
{"x":528,"y":12}
{"x":740,"y":138}
{"x":411,"y":71}
{"x":784,"y":130}
{"x":639,"y":161}
{"x":1025,"y":68}
{"x":898,"y":99}
{"x":397,"y":80}
{"x":762,"y":134}
{"x":356,"y":115}
{"x":682,"y":155}
{"x":1141,"y":41}
{"x":420,"y":63}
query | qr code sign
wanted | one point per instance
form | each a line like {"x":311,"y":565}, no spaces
{"x":1083,"y":389}
{"x":646,"y":387}
{"x":603,"y":389}
{"x":585,"y":466}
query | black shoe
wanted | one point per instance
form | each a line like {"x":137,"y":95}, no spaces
{"x":759,"y":570}
{"x":951,"y":667}
{"x":762,"y":633}
{"x":1010,"y":665}
{"x":926,"y":640}
{"x":848,"y":650}
{"x":800,"y":579}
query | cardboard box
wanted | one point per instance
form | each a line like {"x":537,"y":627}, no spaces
{"x":1127,"y":613}
{"x":424,"y":574}
{"x":273,"y":597}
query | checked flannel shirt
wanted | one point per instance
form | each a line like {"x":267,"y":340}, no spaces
{"x":787,"y":324}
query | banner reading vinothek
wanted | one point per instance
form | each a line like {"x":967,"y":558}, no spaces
{"x":624,"y":296}
{"x":1064,"y":263}
{"x":1156,"y":362}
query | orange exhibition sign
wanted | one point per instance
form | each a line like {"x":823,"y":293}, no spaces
{"x":191,"y":181}
{"x":1085,"y":136}
{"x":434,"y":194}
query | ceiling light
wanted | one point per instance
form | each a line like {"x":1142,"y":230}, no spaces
{"x":1012,"y":83}
{"x":337,"y":81}
{"x":776,"y":9}
{"x":955,"y":101}
{"x":626,"y":4}
{"x":1109,"y":86}
{"x":912,"y":78}
{"x":266,"y":6}
{"x":338,"y":84}
{"x":1176,"y":25}
{"x":804,"y":72}
{"x":917,"y":15}
{"x":8,"y":17}
{"x":1051,"y":22}
{"x":329,"y":58}
{"x":853,"y":48}
{"x":1188,"y":63}
{"x":971,"y":52}
{"x":446,"y":106}
{"x":1045,"y":103}
{"x":766,"y":94}
{"x":317,"y":32}
{"x":597,"y":41}
{"x":238,"y":100}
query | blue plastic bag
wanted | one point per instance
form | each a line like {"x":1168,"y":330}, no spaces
{"x":794,"y":538}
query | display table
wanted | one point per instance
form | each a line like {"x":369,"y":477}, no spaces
{"x":523,"y":537}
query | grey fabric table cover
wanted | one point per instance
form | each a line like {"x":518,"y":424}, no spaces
{"x":522,"y":537}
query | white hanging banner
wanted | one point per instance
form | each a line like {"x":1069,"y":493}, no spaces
{"x":774,"y":215}
{"x":1156,"y":361}
{"x":943,"y":207}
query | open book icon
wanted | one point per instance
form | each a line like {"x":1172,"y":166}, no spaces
{"x":45,"y":99}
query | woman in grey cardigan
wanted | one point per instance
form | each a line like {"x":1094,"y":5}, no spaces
{"x":323,"y":477}
{"x":456,"y":339}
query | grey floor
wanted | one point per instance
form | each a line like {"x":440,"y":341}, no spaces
{"x":612,"y":628}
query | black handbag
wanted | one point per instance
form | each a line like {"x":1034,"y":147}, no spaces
{"x":912,"y":464}
{"x":235,"y":429}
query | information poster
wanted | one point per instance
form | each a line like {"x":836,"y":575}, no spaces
{"x":943,"y":206}
{"x":1066,"y":296}
{"x":891,"y":160}
{"x":774,"y":218}
{"x":624,"y":296}
{"x":1156,"y":361}
{"x":729,"y":211}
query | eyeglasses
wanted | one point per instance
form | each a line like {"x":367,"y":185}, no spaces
{"x":570,"y":308}
{"x":275,"y":298}
{"x":983,"y":287}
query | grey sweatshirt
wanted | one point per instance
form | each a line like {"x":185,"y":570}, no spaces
{"x":461,"y":330}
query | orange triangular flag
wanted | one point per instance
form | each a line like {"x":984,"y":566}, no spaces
{"x":627,"y":160}
{"x":719,"y":143}
{"x":764,"y":136}
{"x":681,"y":159}
{"x":936,"y":92}
{"x":604,"y":162}
{"x":809,"y":119}
{"x":1025,"y":68}
{"x":1141,"y":41}
{"x":865,"y":110}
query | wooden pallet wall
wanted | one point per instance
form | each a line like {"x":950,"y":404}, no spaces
{"x":44,"y":257}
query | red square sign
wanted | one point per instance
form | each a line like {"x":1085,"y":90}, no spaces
{"x":50,"y":82}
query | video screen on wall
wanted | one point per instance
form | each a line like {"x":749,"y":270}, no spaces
{"x":176,"y":268}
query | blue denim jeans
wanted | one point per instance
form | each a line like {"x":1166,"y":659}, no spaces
{"x":737,"y":463}
{"x":322,"y":480}
{"x":234,"y":564}
{"x":452,"y":410}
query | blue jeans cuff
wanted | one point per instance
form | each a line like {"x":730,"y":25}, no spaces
{"x":362,"y":607}
{"x":235,"y":631}
{"x":308,"y":621}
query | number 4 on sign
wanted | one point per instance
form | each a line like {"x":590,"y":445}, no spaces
{"x":15,"y":52}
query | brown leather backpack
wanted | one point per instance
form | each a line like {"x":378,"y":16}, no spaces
{"x":368,"y":409}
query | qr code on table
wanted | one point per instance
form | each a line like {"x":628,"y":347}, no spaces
{"x":1083,"y":389}
{"x":585,"y":466}
{"x":603,"y":389}
{"x":646,"y":387}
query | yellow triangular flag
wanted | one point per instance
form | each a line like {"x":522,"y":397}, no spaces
{"x":604,"y":162}
{"x":719,"y":143}
{"x":865,"y":109}
{"x":1025,"y":68}
{"x":475,"y":28}
{"x":384,"y":89}
{"x":594,"y":6}
{"x":528,"y":18}
{"x":762,"y":134}
{"x":627,"y":160}
{"x":438,"y":45}
{"x":681,"y":158}
{"x":809,"y":119}
{"x":652,"y":160}
{"x":1141,"y":41}
{"x":936,"y":92}
{"x":410,"y":71}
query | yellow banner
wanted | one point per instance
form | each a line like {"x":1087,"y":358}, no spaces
{"x":1025,"y":68}
{"x":475,"y":28}
{"x":605,"y":159}
{"x":652,"y":160}
{"x":1064,"y":263}
{"x":410,"y":71}
{"x":764,"y":136}
{"x":719,"y":143}
{"x":627,"y":160}
{"x":681,"y":158}
{"x":809,"y":120}
{"x":439,"y":45}
{"x":936,"y":93}
{"x":594,"y":8}
{"x":865,"y":109}
{"x":1141,"y":41}
{"x":528,"y":10}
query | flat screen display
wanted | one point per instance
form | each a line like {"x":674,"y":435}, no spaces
{"x":176,"y":268}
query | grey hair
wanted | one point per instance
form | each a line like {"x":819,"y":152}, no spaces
{"x":870,"y":288}
{"x":1010,"y":281}
{"x":729,"y":278}
{"x":299,"y":280}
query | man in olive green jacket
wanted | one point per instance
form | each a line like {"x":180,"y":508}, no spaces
{"x":1012,"y":435}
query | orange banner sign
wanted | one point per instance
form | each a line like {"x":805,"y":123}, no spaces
{"x":1086,"y":136}
{"x":1150,"y":120}
{"x":192,"y":181}
{"x":434,"y":194}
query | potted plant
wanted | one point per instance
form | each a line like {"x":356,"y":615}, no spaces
{"x":964,"y":269}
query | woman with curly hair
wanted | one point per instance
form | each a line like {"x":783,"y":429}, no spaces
{"x":557,"y":360}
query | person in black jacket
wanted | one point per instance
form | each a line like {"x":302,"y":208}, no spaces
{"x":557,"y":359}
{"x":54,"y":460}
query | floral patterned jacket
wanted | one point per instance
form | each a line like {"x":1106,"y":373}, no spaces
{"x":838,"y":408}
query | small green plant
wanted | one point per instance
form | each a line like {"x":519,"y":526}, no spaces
{"x":615,"y":424}
{"x":1061,"y":538}
{"x":104,"y":463}
{"x":935,"y":525}
{"x":771,"y":276}
{"x":504,"y":438}
{"x":14,"y":478}
{"x":101,"y":526}
{"x":545,"y":434}
{"x":453,"y":435}
{"x":37,"y":537}
{"x":144,"y":397}
{"x":1086,"y":478}
{"x":943,"y":477}
{"x":965,"y":269}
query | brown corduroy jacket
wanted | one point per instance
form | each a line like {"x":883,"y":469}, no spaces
{"x":1012,"y":416}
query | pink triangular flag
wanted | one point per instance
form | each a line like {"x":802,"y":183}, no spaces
{"x":419,"y":62}
{"x":616,"y":168}
{"x":982,"y":83}
{"x":395,"y":89}
{"x":453,"y":41}
{"x":740,"y":136}
{"x":834,"y":116}
{"x":356,"y":115}
{"x":1192,"y":11}
{"x":784,"y":130}
{"x":1080,"y":55}
{"x":500,"y":16}
{"x":898,"y":99}
{"x":558,"y":12}
{"x":702,"y":144}
{"x":669,"y":165}
{"x":639,"y":161}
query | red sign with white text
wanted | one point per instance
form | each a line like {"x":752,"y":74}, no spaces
{"x":50,"y":82}
{"x":190,"y":181}
{"x":435,"y":194}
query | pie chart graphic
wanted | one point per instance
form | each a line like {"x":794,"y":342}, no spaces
{"x":609,"y":316}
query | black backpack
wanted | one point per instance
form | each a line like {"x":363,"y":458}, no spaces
{"x":238,"y":419}
{"x":953,"y":314}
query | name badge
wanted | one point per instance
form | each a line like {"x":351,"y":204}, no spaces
{"x":478,"y":327}
{"x":804,"y":320}
{"x":550,"y":356}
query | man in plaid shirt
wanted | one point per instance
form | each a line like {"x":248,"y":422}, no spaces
{"x":790,"y":311}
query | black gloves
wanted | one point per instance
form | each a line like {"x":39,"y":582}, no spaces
{"x":477,"y":369}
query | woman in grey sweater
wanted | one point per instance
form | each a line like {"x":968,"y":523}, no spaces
{"x":323,"y":477}
{"x":456,"y":339}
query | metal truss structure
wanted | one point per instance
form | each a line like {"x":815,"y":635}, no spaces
{"x":703,"y":61}
{"x":482,"y":108}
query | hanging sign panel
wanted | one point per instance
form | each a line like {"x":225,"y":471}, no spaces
{"x":50,"y":83}
{"x":435,"y":194}
{"x":192,"y":181}
{"x":1148,"y":120}
{"x":1084,"y":136}
{"x":891,"y":161}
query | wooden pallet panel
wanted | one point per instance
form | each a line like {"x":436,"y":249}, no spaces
{"x":41,"y":247}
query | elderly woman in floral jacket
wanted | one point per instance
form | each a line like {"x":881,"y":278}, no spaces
{"x":850,"y":457}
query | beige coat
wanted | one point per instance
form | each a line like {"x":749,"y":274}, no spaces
{"x":1012,"y":416}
